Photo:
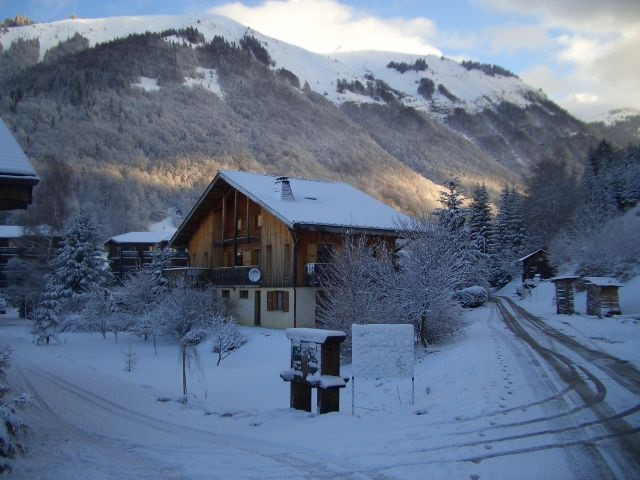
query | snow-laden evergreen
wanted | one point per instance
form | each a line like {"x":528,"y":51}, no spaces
{"x":11,"y":425}
{"x":80,"y":263}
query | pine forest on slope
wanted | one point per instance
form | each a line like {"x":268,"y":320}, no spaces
{"x":134,"y":122}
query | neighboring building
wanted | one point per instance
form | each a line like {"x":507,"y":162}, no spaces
{"x":261,"y":240}
{"x":10,"y":236}
{"x":536,"y":263}
{"x":33,"y":243}
{"x":129,"y":251}
{"x":17,"y":176}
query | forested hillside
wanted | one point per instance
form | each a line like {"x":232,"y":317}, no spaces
{"x":137,"y":125}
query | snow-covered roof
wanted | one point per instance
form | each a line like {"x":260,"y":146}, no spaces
{"x":313,"y":334}
{"x":13,"y":161}
{"x":563,"y":277}
{"x":603,"y":281}
{"x":530,"y":255}
{"x":141,"y":237}
{"x":11,"y":231}
{"x":316,"y":202}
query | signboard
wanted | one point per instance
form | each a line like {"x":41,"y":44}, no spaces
{"x":382,"y":350}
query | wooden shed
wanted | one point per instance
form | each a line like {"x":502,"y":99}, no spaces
{"x":535,"y":263}
{"x":602,"y":296}
{"x":564,"y":293}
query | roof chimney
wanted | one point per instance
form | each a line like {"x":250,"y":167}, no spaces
{"x":283,"y":188}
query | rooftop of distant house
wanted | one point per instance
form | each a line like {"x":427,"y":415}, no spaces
{"x":151,"y":238}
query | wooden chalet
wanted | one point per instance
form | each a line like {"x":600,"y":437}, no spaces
{"x":262,"y":240}
{"x":129,"y":251}
{"x":535,"y":263}
{"x":17,"y":176}
{"x":31,"y":243}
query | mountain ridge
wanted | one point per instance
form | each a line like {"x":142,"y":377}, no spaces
{"x":258,"y":103}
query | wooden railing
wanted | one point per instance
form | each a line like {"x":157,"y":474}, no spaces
{"x":220,"y":277}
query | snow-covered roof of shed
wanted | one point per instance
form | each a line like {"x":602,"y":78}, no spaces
{"x":604,"y":281}
{"x":316,"y":202}
{"x":530,"y":255}
{"x":11,"y":231}
{"x":13,"y":161}
{"x":142,"y":237}
{"x":313,"y":334}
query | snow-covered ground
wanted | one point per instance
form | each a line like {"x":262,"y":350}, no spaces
{"x":618,"y":335}
{"x":483,"y":409}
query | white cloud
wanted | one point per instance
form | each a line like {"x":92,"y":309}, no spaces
{"x":326,"y":26}
{"x":512,"y":37}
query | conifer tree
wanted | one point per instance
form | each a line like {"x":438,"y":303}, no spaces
{"x":80,"y":263}
{"x":480,"y":219}
{"x":451,"y":214}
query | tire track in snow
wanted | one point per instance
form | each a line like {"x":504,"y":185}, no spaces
{"x":267,"y":450}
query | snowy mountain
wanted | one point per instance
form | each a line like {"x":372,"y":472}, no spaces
{"x":162,"y":111}
{"x":621,"y":126}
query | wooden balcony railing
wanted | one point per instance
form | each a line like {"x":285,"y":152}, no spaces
{"x":220,"y":277}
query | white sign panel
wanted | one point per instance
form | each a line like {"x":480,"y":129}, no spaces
{"x":382,"y":350}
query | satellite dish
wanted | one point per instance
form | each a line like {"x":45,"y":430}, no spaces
{"x":255,"y":275}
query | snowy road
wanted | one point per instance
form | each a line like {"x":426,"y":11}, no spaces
{"x":597,"y":395}
{"x":511,"y":398}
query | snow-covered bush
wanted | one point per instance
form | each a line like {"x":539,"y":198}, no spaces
{"x":432,"y":265}
{"x":11,"y":425}
{"x":225,"y":337}
{"x":353,"y":287}
{"x":471,"y":297}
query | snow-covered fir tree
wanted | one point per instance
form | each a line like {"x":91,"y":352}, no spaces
{"x":451,"y":214}
{"x":480,"y":219}
{"x":80,"y":263}
{"x":508,"y":238}
{"x":47,"y":318}
{"x":11,"y":425}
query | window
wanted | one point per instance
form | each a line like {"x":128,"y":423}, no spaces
{"x":257,"y":221}
{"x":278,"y":300}
{"x":244,"y":294}
{"x":226,"y":293}
{"x":239,"y":224}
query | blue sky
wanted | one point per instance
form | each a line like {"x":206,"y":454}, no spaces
{"x":585,"y":54}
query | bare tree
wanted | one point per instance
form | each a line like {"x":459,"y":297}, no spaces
{"x":225,"y":337}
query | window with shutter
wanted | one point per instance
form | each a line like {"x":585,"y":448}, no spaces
{"x":285,"y":301}
{"x":270,"y":296}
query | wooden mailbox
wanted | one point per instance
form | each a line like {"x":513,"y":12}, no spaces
{"x":315,"y":363}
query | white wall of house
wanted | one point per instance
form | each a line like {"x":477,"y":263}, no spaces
{"x":243,"y":309}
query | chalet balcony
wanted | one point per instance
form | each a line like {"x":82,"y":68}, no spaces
{"x":314,"y":272}
{"x":220,"y":277}
{"x":8,"y":251}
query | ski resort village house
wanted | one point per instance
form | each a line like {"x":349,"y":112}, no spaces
{"x":130,"y":251}
{"x":17,"y":176}
{"x":261,"y":241}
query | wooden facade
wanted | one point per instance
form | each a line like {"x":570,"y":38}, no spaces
{"x":228,"y":235}
{"x":602,"y":296}
{"x":564,"y":294}
{"x":126,"y":257}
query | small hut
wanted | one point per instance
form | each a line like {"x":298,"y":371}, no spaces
{"x":602,"y":296}
{"x":564,"y":293}
{"x":535,"y":263}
